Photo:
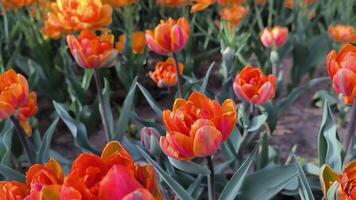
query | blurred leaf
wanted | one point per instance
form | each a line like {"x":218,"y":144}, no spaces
{"x":11,"y":174}
{"x":272,"y":113}
{"x":107,"y":107}
{"x":232,"y":187}
{"x":154,"y":105}
{"x":321,"y":96}
{"x":146,"y":123}
{"x":88,"y":74}
{"x":6,"y":143}
{"x":189,"y":167}
{"x":43,"y":153}
{"x":176,"y":187}
{"x":123,"y":122}
{"x":262,"y":157}
{"x":77,"y":129}
{"x":257,"y":122}
{"x":305,"y":190}
{"x":330,"y":148}
{"x":206,"y":78}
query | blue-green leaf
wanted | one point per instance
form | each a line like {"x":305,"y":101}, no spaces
{"x":43,"y":153}
{"x":150,"y":100}
{"x":11,"y":174}
{"x":189,"y":167}
{"x":206,"y":78}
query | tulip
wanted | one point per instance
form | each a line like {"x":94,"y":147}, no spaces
{"x":165,"y":73}
{"x":233,"y":14}
{"x":149,"y":140}
{"x":68,"y":16}
{"x":12,"y":190}
{"x":346,"y":182}
{"x":169,"y":36}
{"x":253,"y":86}
{"x":138,"y":46}
{"x":91,"y":51}
{"x":197,"y":127}
{"x":16,"y":4}
{"x":119,"y":3}
{"x":111,"y":176}
{"x":342,"y":71}
{"x":201,"y":5}
{"x":343,"y":34}
{"x":275,"y":37}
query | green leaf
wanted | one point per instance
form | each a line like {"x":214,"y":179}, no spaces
{"x":11,"y":174}
{"x":305,"y":190}
{"x":88,"y":74}
{"x":330,"y":147}
{"x":150,"y":100}
{"x":267,"y":182}
{"x":189,"y":167}
{"x":263,"y":158}
{"x":123,"y":122}
{"x":6,"y":143}
{"x":43,"y":153}
{"x":176,"y":187}
{"x":107,"y":107}
{"x":257,"y":122}
{"x":77,"y":129}
{"x":206,"y":78}
{"x":232,"y":187}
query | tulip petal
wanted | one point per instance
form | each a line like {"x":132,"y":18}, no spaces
{"x":168,"y":149}
{"x":344,"y":81}
{"x":139,"y":194}
{"x":181,"y":143}
{"x":70,"y":193}
{"x":265,"y":93}
{"x":207,"y":141}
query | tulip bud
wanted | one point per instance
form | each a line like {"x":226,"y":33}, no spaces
{"x":150,"y":140}
{"x":274,"y":57}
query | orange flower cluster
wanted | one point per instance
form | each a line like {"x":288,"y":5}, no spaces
{"x":16,"y":4}
{"x":165,"y":73}
{"x":346,"y":181}
{"x":198,"y":5}
{"x":112,"y":176}
{"x":16,"y":99}
{"x":67,"y":16}
{"x":197,"y":127}
{"x":253,"y":86}
{"x":275,"y":37}
{"x":290,"y":3}
{"x":119,"y":3}
{"x":169,"y":36}
{"x":138,"y":46}
{"x":343,"y":34}
{"x":233,"y":14}
{"x":342,"y":71}
{"x":91,"y":51}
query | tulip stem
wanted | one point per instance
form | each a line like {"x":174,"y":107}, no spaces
{"x":350,"y":129}
{"x":211,"y":179}
{"x":24,"y":140}
{"x":180,"y":86}
{"x":102,"y":110}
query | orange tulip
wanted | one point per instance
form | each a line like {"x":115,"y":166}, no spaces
{"x":15,"y":99}
{"x":16,"y":4}
{"x":343,"y":34}
{"x":119,"y":3}
{"x":346,"y":181}
{"x":169,"y":36}
{"x":68,"y":16}
{"x":111,"y":176}
{"x":138,"y":46}
{"x":290,"y":3}
{"x":253,"y":86}
{"x":201,"y":5}
{"x":173,"y":3}
{"x":275,"y":37}
{"x":12,"y":190}
{"x":197,"y":127}
{"x":91,"y":51}
{"x":342,"y":71}
{"x":165,"y":73}
{"x":233,"y":15}
{"x":226,"y":3}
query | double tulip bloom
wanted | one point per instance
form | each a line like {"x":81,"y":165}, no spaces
{"x":346,"y":181}
{"x":253,"y":86}
{"x":112,"y":176}
{"x":169,"y":36}
{"x":67,"y":16}
{"x":165,"y":73}
{"x":343,"y":34}
{"x":138,"y":44}
{"x":275,"y":37}
{"x":16,"y":99}
{"x":342,"y":71}
{"x":91,"y":51}
{"x":197,"y":127}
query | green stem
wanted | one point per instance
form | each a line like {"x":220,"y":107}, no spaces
{"x":102,"y":110}
{"x":211,"y":179}
{"x":350,"y":129}
{"x":24,"y":140}
{"x":180,"y":86}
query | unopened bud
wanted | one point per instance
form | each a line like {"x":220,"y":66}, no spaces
{"x":150,"y":140}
